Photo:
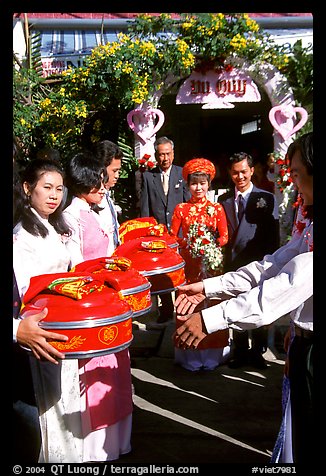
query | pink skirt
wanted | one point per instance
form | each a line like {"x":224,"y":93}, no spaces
{"x":107,"y":383}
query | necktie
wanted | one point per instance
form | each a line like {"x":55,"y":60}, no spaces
{"x":165,"y":184}
{"x":241,"y":208}
{"x":115,"y":223}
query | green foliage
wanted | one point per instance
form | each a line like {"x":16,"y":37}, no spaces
{"x":35,"y":52}
{"x":299,"y":73}
{"x":129,"y":161}
{"x":28,"y":90}
{"x":211,"y":37}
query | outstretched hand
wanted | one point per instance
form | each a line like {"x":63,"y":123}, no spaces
{"x":31,"y":335}
{"x":191,"y":332}
{"x":189,"y":296}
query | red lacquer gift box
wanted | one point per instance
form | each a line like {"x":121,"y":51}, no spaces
{"x":95,"y":318}
{"x":146,"y":227}
{"x":159,"y":263}
{"x":127,"y":281}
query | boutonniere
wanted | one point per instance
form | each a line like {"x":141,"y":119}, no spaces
{"x":261,"y":203}
{"x":178,"y":184}
{"x":210,"y":210}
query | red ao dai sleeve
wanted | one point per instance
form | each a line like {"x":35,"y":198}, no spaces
{"x":176,"y":224}
{"x":221,"y":225}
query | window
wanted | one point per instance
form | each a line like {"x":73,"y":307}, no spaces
{"x":67,"y":42}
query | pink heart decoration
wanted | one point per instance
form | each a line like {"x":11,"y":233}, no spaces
{"x":282,"y":122}
{"x":139,"y":121}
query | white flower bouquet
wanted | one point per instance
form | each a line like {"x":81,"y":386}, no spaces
{"x":201,"y":242}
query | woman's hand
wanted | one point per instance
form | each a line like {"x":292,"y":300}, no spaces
{"x":30,"y":334}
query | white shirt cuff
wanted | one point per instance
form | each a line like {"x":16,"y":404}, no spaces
{"x":211,"y":286}
{"x":15,"y":325}
{"x":213,"y":318}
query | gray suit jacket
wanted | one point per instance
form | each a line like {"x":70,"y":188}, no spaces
{"x":154,"y":203}
{"x":258,"y":232}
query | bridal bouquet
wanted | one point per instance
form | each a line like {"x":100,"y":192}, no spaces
{"x":201,"y":242}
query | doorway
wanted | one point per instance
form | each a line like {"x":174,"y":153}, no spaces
{"x":217,"y":133}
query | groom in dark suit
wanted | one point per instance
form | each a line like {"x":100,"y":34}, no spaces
{"x":253,"y":227}
{"x":162,"y":189}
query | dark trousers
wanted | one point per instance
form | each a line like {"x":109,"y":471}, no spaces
{"x":167,"y":307}
{"x":26,"y":435}
{"x":301,"y":386}
{"x":259,"y":338}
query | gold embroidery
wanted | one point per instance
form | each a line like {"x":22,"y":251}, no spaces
{"x":107,"y":335}
{"x":75,"y":342}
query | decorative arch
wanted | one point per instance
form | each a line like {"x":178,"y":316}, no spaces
{"x":279,"y":92}
{"x":266,"y":76}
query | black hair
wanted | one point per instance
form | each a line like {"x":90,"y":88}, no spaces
{"x":106,"y":151}
{"x":197,"y":176}
{"x":84,"y":172}
{"x":22,"y":208}
{"x":304,"y":144}
{"x":238,"y":157}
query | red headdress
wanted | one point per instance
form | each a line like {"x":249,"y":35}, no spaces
{"x":198,"y":165}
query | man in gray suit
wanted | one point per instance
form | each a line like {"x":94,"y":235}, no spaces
{"x":162,"y":189}
{"x":252,"y":216}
